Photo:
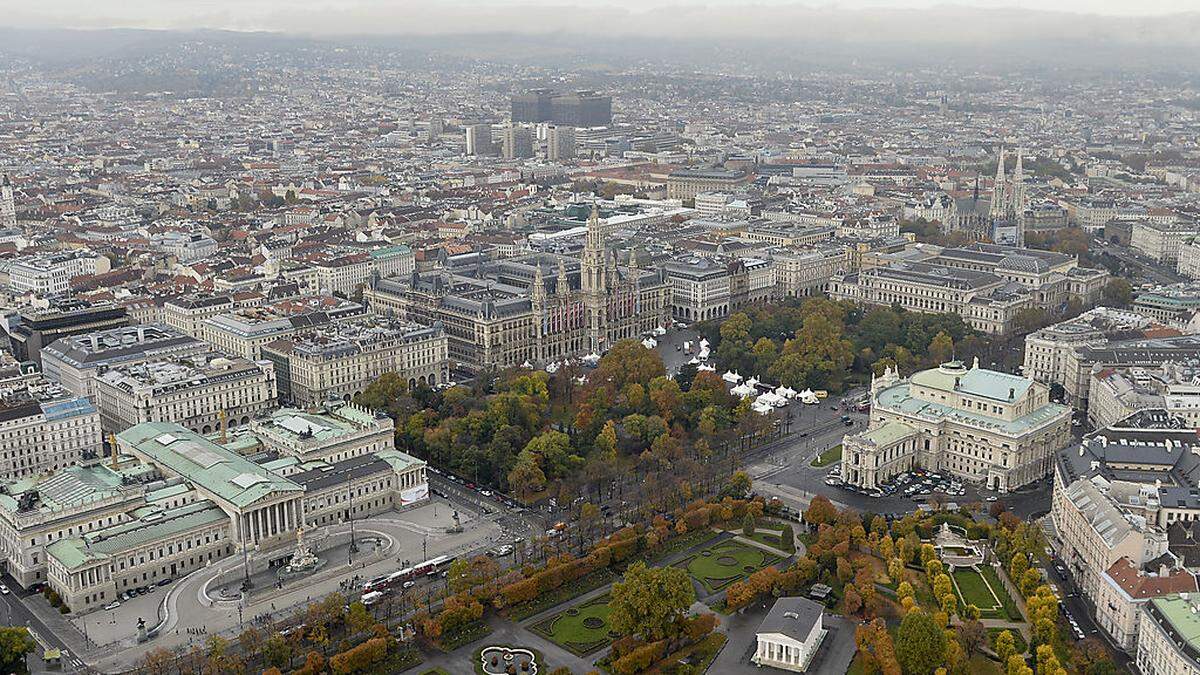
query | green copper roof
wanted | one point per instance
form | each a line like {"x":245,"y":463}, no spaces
{"x":1179,"y":612}
{"x":899,"y":398}
{"x":955,"y":376}
{"x":151,"y":525}
{"x":212,"y":468}
{"x":888,"y":433}
{"x":399,"y":460}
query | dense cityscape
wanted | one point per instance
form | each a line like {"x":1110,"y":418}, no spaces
{"x":327,"y":355}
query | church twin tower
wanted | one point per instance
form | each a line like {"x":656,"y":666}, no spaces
{"x":1008,"y":195}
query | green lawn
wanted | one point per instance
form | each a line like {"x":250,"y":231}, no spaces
{"x":721,"y":565}
{"x":581,"y":629}
{"x":828,"y":457}
{"x":1010,"y":607}
{"x":767,"y":537}
{"x":993,"y":603}
{"x":973,"y":590}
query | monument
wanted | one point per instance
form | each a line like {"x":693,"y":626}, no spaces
{"x":303,"y":562}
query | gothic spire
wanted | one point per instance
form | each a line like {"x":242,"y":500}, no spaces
{"x":563,"y":288}
{"x":538,"y":292}
{"x":999,"y":193}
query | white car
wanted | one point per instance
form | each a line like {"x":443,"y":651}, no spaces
{"x":113,"y":605}
{"x":3,"y":589}
{"x":409,"y":584}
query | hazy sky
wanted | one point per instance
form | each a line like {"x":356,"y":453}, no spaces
{"x":399,"y":16}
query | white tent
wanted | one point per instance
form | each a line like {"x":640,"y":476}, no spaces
{"x":660,"y":331}
{"x":649,"y":343}
{"x":527,"y":365}
{"x":731,"y":377}
{"x":768,"y":398}
{"x":753,"y":381}
{"x":704,"y":366}
{"x":761,"y":408}
{"x":552,"y":367}
{"x":785,"y":392}
{"x":703,"y":355}
{"x":743,"y":391}
{"x":591,"y":359}
{"x":703,"y":343}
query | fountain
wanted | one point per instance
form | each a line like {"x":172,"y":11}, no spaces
{"x":303,"y":561}
{"x":498,"y":660}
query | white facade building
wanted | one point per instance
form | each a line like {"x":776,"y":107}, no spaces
{"x":790,"y":635}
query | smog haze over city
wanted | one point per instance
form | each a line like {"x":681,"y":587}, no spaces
{"x":630,"y":336}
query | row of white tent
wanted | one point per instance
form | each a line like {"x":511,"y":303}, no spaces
{"x":766,"y":401}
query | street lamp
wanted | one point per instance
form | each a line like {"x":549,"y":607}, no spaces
{"x":353,"y":544}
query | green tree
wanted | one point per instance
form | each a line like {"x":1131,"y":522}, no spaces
{"x":15,"y":643}
{"x":920,"y":643}
{"x":748,"y":525}
{"x":278,"y":651}
{"x":526,"y":478}
{"x":1117,"y":293}
{"x":1016,"y":666}
{"x":1005,"y":645}
{"x":650,"y":601}
{"x":941,"y":348}
{"x":739,"y":484}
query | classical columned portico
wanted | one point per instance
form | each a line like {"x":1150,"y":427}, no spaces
{"x":272,"y":520}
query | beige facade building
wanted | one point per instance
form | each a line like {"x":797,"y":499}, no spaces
{"x":994,"y":429}
{"x":1048,"y":351}
{"x":204,"y":393}
{"x":1160,"y":241}
{"x":245,"y":330}
{"x":980,"y":298}
{"x":805,"y":272}
{"x":1124,"y":591}
{"x":340,"y":360}
{"x":687,"y":183}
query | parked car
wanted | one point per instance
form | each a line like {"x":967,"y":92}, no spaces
{"x":113,"y":605}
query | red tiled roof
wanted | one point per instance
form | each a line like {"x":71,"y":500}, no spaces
{"x":1140,"y":585}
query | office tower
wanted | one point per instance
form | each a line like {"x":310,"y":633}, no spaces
{"x":532,"y":106}
{"x":560,"y":143}
{"x":517,"y":142}
{"x":582,"y":109}
{"x":578,"y":109}
{"x":8,"y":207}
{"x":479,"y":139}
